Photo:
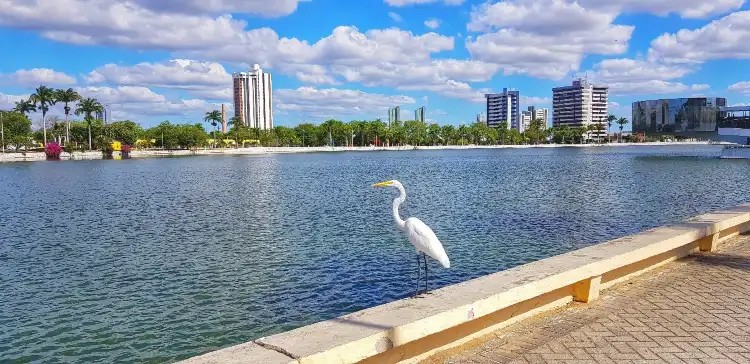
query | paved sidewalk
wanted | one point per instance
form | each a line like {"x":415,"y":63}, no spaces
{"x":696,"y":310}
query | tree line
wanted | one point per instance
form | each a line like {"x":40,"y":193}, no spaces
{"x":92,"y":132}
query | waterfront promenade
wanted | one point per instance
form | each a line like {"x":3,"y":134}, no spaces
{"x":670,"y":290}
{"x":695,"y":310}
{"x":89,"y":155}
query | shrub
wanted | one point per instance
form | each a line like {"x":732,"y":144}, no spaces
{"x":125,"y":148}
{"x":53,"y":150}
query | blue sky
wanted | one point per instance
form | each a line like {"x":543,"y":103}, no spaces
{"x":154,"y":60}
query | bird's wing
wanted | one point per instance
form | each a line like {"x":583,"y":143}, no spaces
{"x":425,"y":240}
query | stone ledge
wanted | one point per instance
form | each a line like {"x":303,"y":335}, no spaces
{"x":410,"y":329}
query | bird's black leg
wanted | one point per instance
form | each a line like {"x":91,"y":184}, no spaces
{"x":419,"y":275}
{"x":426,"y":284}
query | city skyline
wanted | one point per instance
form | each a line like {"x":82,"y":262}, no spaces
{"x":182,"y":66}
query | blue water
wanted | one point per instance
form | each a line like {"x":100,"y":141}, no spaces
{"x":155,"y":260}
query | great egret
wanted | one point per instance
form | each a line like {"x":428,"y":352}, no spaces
{"x":420,"y":235}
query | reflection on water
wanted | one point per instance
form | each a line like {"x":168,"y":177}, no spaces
{"x":160,"y":259}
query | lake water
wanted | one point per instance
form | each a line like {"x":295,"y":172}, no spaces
{"x":155,"y":260}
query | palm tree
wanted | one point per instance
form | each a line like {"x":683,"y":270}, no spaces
{"x":24,"y":107}
{"x":213,"y":118}
{"x":622,"y":122}
{"x":43,"y":98}
{"x":610,"y":119}
{"x":87,"y":107}
{"x":67,"y":96}
{"x":234,"y":120}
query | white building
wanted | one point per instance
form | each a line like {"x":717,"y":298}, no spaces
{"x":543,"y":115}
{"x":481,"y":118}
{"x":253,"y":102}
{"x":580,"y":105}
{"x":526,"y":117}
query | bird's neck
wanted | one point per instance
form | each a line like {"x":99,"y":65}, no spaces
{"x":396,"y":203}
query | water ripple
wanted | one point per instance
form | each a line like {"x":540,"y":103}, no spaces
{"x":160,"y":259}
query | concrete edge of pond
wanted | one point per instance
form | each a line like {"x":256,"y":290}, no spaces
{"x":412,"y":329}
{"x":89,"y":155}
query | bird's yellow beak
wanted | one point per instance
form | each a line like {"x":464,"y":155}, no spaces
{"x":383,"y":184}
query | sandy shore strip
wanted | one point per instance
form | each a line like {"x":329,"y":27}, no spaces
{"x":39,"y":156}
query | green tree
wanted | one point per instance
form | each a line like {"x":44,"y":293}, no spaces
{"x":188,"y":136}
{"x":502,"y":132}
{"x":67,"y":97}
{"x":414,"y":132}
{"x":434,"y":134}
{"x":126,"y":132}
{"x":560,"y":133}
{"x":43,"y":98}
{"x":16,"y":129}
{"x":308,"y":134}
{"x":87,"y":107}
{"x":537,"y":130}
{"x":610,"y":119}
{"x":234,"y":120}
{"x":621,"y":122}
{"x":214,"y":118}
{"x":448,"y":134}
{"x":462,"y":133}
{"x":24,"y":107}
{"x":514,"y":137}
{"x":377,"y":131}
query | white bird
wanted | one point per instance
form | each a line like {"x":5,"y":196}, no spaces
{"x":420,"y":235}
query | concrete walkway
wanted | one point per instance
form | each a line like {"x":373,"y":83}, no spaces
{"x":696,"y":310}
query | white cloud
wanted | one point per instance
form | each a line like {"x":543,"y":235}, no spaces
{"x":626,"y":76}
{"x":535,"y":100}
{"x":8,"y":102}
{"x":38,"y":76}
{"x":121,"y":94}
{"x":725,"y":38}
{"x":326,"y":103}
{"x":537,"y":16}
{"x":432,"y":23}
{"x":435,"y":72}
{"x":741,"y":87}
{"x":221,"y":38}
{"x":267,"y":8}
{"x":631,"y":70}
{"x":653,"y":87}
{"x":395,"y":17}
{"x":417,"y":2}
{"x":451,"y":88}
{"x":543,"y":38}
{"x":614,"y":105}
{"x":173,"y":73}
{"x":685,"y":8}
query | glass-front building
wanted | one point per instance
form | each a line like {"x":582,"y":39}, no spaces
{"x":684,"y":115}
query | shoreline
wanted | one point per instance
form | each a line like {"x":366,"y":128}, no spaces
{"x":135,"y":154}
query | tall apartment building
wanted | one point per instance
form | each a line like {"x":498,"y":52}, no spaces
{"x":526,"y":117}
{"x":481,"y":118}
{"x":543,"y":115}
{"x":253,"y":102}
{"x":504,"y":107}
{"x":394,"y":115}
{"x":580,"y":105}
{"x":419,"y":114}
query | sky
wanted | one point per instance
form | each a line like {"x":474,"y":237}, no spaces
{"x":155,"y":60}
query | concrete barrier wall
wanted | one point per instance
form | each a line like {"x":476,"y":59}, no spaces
{"x":410,"y":330}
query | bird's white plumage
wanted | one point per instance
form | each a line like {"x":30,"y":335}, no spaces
{"x":420,"y":235}
{"x":425,"y":241}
